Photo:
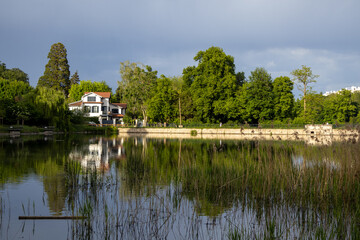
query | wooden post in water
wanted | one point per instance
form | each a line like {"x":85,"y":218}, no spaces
{"x":51,"y":217}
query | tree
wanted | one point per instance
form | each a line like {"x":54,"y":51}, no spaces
{"x":13,"y":74}
{"x":213,"y":84}
{"x":16,"y":74}
{"x":178,"y":83}
{"x":57,"y":73}
{"x":136,"y":87}
{"x":304,"y":77}
{"x":258,"y":94}
{"x":78,"y":90}
{"x":75,"y":79}
{"x":162,"y":106}
{"x":339,"y":107}
{"x":283,"y":98}
{"x":10,"y":89}
{"x":53,"y":107}
{"x":2,"y":68}
{"x":315,"y":108}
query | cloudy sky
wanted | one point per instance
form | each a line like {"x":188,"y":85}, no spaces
{"x":279,"y":35}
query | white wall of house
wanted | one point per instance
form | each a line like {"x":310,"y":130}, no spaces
{"x":91,"y":98}
{"x":93,"y":109}
{"x":98,"y":106}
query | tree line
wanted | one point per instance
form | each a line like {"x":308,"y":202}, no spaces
{"x":210,"y":92}
{"x":213,"y":92}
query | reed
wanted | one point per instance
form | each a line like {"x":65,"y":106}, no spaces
{"x":194,"y":189}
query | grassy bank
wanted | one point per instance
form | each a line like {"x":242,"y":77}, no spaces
{"x":74,"y":128}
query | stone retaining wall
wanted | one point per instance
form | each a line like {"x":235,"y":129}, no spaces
{"x":308,"y":136}
{"x":247,"y":132}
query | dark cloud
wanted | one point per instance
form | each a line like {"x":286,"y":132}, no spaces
{"x":279,"y":35}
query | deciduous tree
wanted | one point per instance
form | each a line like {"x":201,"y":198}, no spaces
{"x":283,"y":98}
{"x":304,"y":77}
{"x":13,"y":74}
{"x":339,"y":107}
{"x":178,"y":84}
{"x":213,"y":84}
{"x":78,"y":90}
{"x":136,"y":87}
{"x":162,"y":106}
{"x":258,"y":94}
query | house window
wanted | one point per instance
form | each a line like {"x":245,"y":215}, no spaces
{"x":115,"y":110}
{"x":87,"y":109}
{"x":95,"y":109}
{"x":103,"y":109}
{"x":91,"y":99}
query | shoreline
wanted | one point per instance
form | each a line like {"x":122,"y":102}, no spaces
{"x":248,"y":132}
{"x":309,"y":137}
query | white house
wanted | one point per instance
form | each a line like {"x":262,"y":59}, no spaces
{"x":97,"y":104}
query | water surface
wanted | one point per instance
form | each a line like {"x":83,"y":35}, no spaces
{"x":144,"y":188}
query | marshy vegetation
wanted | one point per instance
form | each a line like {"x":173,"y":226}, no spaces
{"x":142,"y":188}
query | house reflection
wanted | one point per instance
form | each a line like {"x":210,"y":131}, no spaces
{"x":98,"y":153}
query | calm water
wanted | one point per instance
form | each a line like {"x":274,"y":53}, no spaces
{"x":144,"y":188}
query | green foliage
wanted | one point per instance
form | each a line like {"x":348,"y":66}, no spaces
{"x":75,"y":79}
{"x":177,"y":85}
{"x":315,"y":107}
{"x":53,"y":107}
{"x":304,"y":77}
{"x":78,"y":90}
{"x":283,"y":98}
{"x":258,"y":96}
{"x":162,"y":106}
{"x":136,"y":88}
{"x":57,"y":70}
{"x":12,"y":105}
{"x":111,"y":130}
{"x":77,"y":116}
{"x":13,"y":74}
{"x":339,"y":107}
{"x":9,"y":89}
{"x":193,"y":133}
{"x":212,"y":84}
{"x":16,"y":74}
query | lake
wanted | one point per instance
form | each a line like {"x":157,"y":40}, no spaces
{"x":138,"y":187}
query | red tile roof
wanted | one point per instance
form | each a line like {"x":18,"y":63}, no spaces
{"x":75,"y":103}
{"x":123,"y":105}
{"x":117,"y":115}
{"x":102,"y":94}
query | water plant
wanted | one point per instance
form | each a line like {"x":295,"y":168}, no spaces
{"x":196,"y":189}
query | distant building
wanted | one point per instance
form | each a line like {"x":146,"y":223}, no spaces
{"x":352,"y":89}
{"x":97,"y":104}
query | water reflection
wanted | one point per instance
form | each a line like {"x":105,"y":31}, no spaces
{"x":312,"y":139}
{"x":141,"y":187}
{"x":299,"y":162}
{"x":98,"y":152}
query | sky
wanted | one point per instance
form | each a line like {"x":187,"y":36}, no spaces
{"x":279,"y":35}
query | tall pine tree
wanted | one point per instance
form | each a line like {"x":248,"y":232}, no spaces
{"x":57,"y":73}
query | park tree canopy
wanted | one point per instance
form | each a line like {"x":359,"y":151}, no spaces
{"x":78,"y":90}
{"x":162,"y":105}
{"x":304,"y":77}
{"x":212,"y":84}
{"x":283,"y":98}
{"x":136,"y":88}
{"x":258,"y":96}
{"x":13,"y":74}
